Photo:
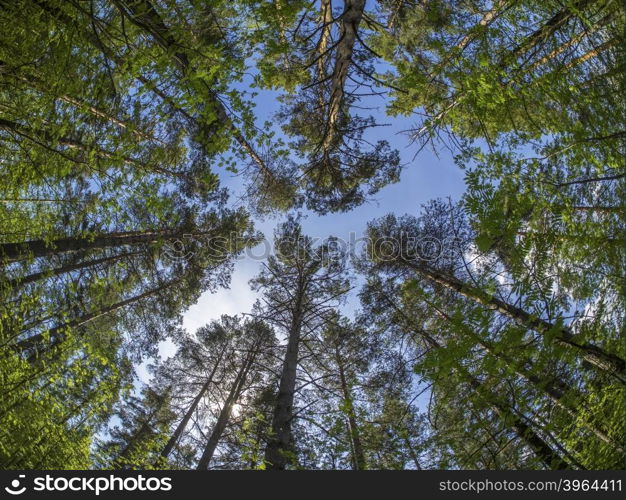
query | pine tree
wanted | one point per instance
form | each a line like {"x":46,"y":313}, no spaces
{"x":299,"y":285}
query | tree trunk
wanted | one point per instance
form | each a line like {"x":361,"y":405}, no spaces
{"x":13,"y":252}
{"x":283,"y":32}
{"x":224,"y":417}
{"x":604,"y":209}
{"x":326,"y":19}
{"x":180,"y":428}
{"x":571,"y":42}
{"x":279,"y":444}
{"x":600,"y":359}
{"x":358,"y":458}
{"x":409,"y":446}
{"x":593,"y":52}
{"x":16,"y":283}
{"x":556,"y":394}
{"x":547,"y":455}
{"x":550,"y":27}
{"x":350,"y":20}
{"x":591,"y":179}
{"x":486,"y":20}
{"x":56,"y":334}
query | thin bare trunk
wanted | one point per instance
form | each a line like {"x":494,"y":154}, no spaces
{"x":225,"y":412}
{"x":180,"y":428}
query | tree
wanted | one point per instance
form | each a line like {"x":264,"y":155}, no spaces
{"x":464,"y":296}
{"x":326,"y":64}
{"x":213,"y":372}
{"x":392,"y":231}
{"x":134,"y":443}
{"x":299,"y":285}
{"x":500,"y":407}
{"x":256,"y":342}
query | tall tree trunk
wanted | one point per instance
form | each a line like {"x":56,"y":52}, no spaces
{"x":279,"y":443}
{"x":593,"y":52}
{"x":601,"y":209}
{"x":43,"y":200}
{"x":13,"y":252}
{"x":282,"y":32}
{"x":180,"y":428}
{"x":535,"y":442}
{"x":409,"y":446}
{"x":326,"y":19}
{"x":595,"y":356}
{"x":590,"y":179}
{"x":218,"y":429}
{"x":56,"y":335}
{"x":358,"y":458}
{"x":350,"y":19}
{"x":554,"y":391}
{"x":17,"y":283}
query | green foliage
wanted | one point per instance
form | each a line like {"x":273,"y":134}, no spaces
{"x":491,"y":330}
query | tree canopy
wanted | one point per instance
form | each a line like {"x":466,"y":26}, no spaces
{"x":144,"y":142}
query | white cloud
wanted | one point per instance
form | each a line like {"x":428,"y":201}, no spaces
{"x":210,"y":306}
{"x":235,"y":300}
